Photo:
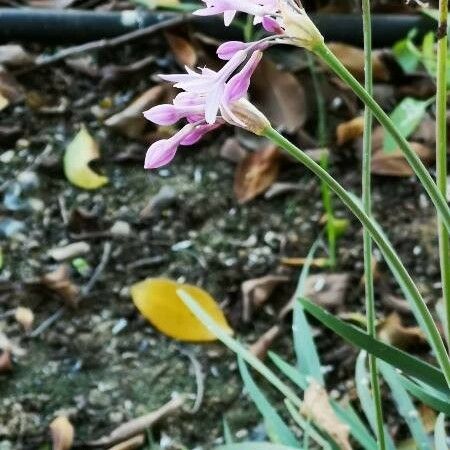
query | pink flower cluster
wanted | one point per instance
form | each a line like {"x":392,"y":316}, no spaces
{"x":210,"y":99}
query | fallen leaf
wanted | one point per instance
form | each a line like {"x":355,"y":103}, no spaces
{"x":256,"y":173}
{"x":141,"y":424}
{"x":25,"y":317}
{"x":257,"y":291}
{"x":316,"y":407}
{"x":394,"y":164}
{"x":14,"y":55}
{"x":130,"y":444}
{"x":79,"y":153}
{"x":353,"y":60}
{"x":280,"y":95}
{"x":232,"y":150}
{"x":157,"y":300}
{"x":62,"y":432}
{"x":428,"y":417}
{"x":296,"y":262}
{"x":282,"y":187}
{"x":263,"y":343}
{"x":393,"y":332}
{"x":350,"y":130}
{"x":4,"y":102}
{"x":182,"y":49}
{"x":10,"y":90}
{"x":130,"y":121}
{"x":59,"y":281}
{"x":5,"y":361}
{"x":327,"y":290}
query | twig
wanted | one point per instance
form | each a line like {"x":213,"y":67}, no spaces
{"x":199,"y":379}
{"x":107,"y":43}
{"x":48,"y":322}
{"x":98,"y":271}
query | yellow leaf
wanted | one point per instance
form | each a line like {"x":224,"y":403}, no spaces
{"x":79,"y":153}
{"x":4,"y":102}
{"x":157,"y":300}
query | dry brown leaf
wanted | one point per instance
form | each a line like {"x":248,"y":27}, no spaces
{"x":25,"y":317}
{"x":232,"y":150}
{"x":280,"y":95}
{"x":59,"y":281}
{"x":350,"y":130}
{"x":428,"y":417}
{"x":256,"y":173}
{"x":316,"y":407}
{"x":394,"y":163}
{"x":261,"y":346}
{"x":130,"y":444}
{"x":14,"y":55}
{"x":182,"y":49}
{"x":328,"y":289}
{"x":5,"y":361}
{"x":257,"y":291}
{"x":62,"y":432}
{"x":130,"y":121}
{"x":353,"y":59}
{"x":392,"y":331}
{"x":139,"y":425}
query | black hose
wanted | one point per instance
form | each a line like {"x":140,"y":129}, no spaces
{"x":77,"y":26}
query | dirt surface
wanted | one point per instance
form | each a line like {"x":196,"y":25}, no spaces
{"x":101,"y":363}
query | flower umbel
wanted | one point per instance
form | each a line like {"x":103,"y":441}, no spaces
{"x":286,"y":18}
{"x":209,"y":99}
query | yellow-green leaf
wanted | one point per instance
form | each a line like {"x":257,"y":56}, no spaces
{"x":79,"y":153}
{"x":157,"y":300}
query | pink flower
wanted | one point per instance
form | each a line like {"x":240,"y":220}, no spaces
{"x":207,"y":101}
{"x":229,"y":8}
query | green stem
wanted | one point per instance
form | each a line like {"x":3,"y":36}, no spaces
{"x":441,"y":153}
{"x":327,"y":199}
{"x":367,"y":205}
{"x":419,"y":307}
{"x":416,"y":164}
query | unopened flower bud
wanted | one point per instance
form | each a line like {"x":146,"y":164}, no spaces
{"x":299,"y":26}
{"x":244,"y":114}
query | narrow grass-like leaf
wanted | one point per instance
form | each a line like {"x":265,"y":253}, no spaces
{"x":406,"y":116}
{"x":290,"y":371}
{"x":440,"y":437}
{"x":365,"y":396}
{"x":408,"y":364}
{"x":358,"y":429}
{"x":277,"y":430}
{"x":305,"y":349}
{"x":254,"y":446}
{"x":238,"y":348}
{"x":431,"y":397}
{"x":406,"y":407}
{"x":347,"y":415}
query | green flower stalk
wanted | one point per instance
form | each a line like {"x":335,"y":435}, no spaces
{"x":367,"y":205}
{"x":441,"y":154}
{"x":420,"y":309}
